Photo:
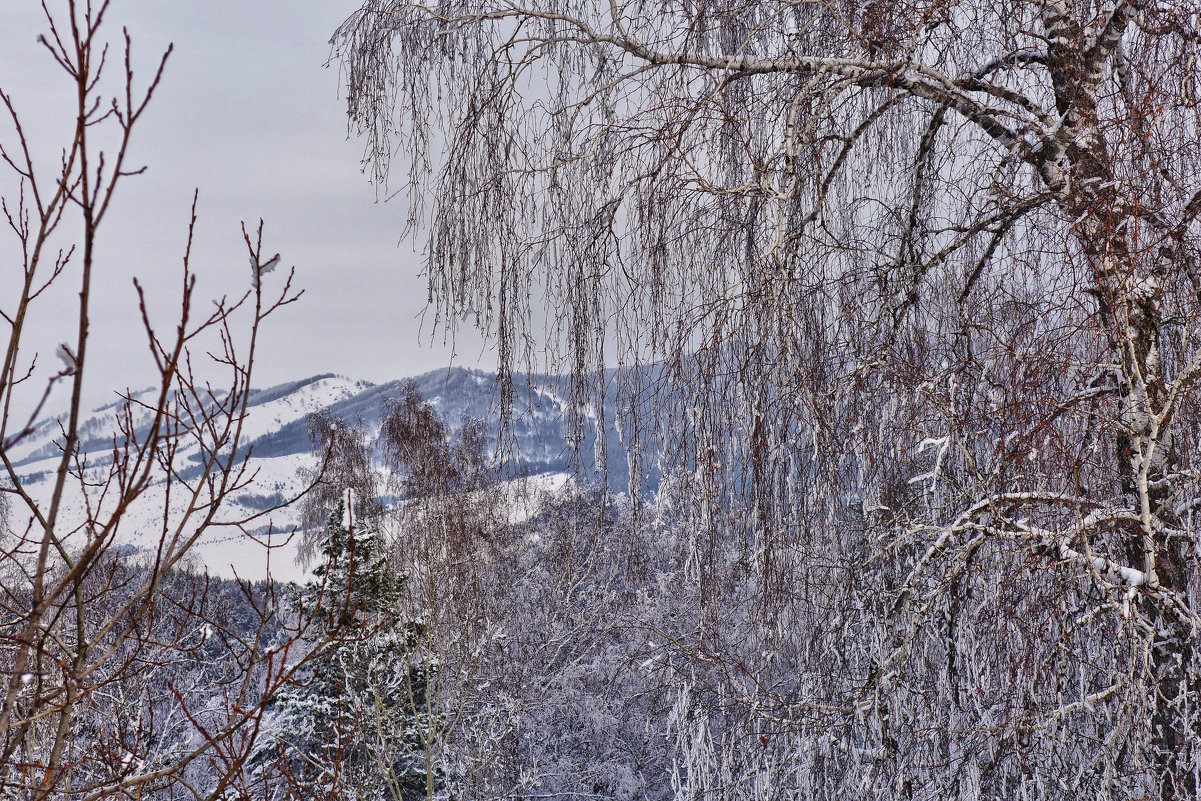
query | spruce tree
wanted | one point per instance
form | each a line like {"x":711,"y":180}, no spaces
{"x":350,"y":726}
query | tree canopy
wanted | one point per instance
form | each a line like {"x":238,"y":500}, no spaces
{"x":921,"y":284}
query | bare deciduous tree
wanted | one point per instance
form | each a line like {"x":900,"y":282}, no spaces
{"x":923,"y":280}
{"x":121,"y":674}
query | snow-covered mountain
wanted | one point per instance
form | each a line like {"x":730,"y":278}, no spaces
{"x":276,"y":430}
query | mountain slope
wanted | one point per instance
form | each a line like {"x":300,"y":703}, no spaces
{"x":542,"y":442}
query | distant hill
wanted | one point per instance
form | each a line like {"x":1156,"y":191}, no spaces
{"x":542,"y":441}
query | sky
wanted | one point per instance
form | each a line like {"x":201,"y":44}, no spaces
{"x":250,"y":114}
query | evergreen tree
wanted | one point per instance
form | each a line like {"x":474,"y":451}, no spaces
{"x":350,"y":727}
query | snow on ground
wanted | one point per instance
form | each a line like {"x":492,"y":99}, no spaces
{"x":271,"y":416}
{"x":248,"y":536}
{"x":526,"y":496}
{"x":236,"y":542}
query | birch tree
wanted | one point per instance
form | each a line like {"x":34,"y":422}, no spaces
{"x":922,"y":282}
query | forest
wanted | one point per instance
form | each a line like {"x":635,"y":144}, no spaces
{"x":898,"y":299}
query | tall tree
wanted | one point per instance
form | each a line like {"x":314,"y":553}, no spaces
{"x":346,"y":724}
{"x":923,"y":278}
{"x":446,"y":528}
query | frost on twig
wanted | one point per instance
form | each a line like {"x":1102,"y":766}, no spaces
{"x":258,"y":269}
{"x":67,"y":358}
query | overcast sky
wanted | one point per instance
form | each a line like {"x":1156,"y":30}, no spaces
{"x":249,"y":114}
